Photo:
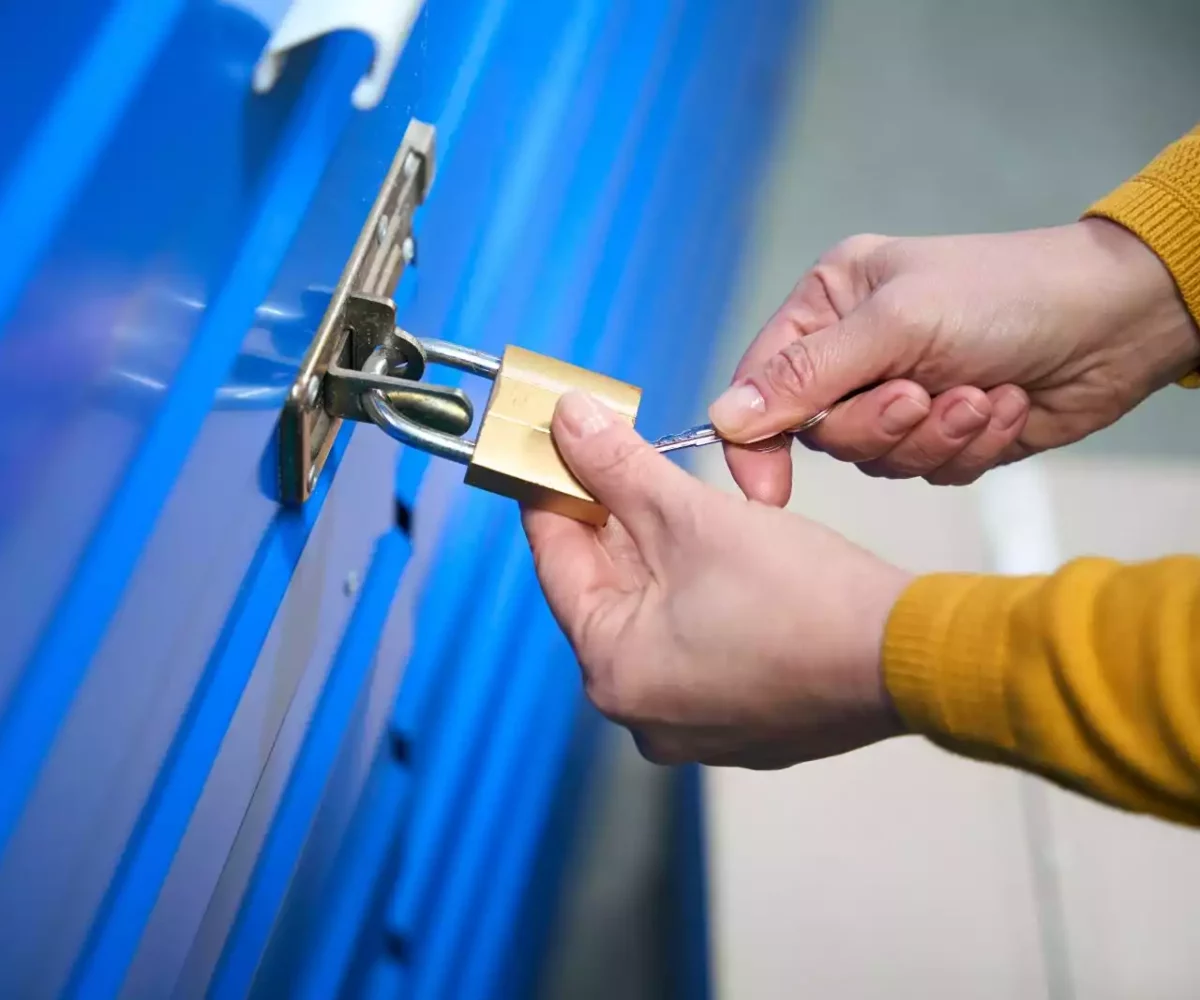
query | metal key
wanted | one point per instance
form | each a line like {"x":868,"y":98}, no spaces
{"x":705,"y":434}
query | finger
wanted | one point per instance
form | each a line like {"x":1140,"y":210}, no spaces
{"x":617,"y":466}
{"x":575,"y":572}
{"x":869,"y":426}
{"x":763,"y":474}
{"x":827,"y":292}
{"x":830,"y":289}
{"x":766,"y":475}
{"x":807,"y":375}
{"x":808,"y":309}
{"x":956,"y":416}
{"x":1010,"y":410}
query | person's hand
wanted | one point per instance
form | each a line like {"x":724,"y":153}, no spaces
{"x":988,"y":348}
{"x":718,"y":629}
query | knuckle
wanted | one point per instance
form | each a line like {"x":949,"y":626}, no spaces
{"x":791,"y":371}
{"x":868,"y":256}
{"x":855,"y":450}
{"x":854,"y":248}
{"x":918,"y":457}
{"x":858,"y":452}
{"x":919,"y":464}
{"x":829,"y":274}
{"x":616,"y":453}
{"x":909,"y":469}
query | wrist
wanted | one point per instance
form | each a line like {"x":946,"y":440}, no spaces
{"x":1161,"y":331}
{"x":891,"y":587}
{"x":833,"y":641}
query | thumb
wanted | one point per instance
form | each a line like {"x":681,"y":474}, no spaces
{"x":616,"y":465}
{"x":809,"y":374}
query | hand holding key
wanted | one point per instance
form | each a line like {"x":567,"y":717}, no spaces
{"x":706,"y":434}
{"x":989,"y":348}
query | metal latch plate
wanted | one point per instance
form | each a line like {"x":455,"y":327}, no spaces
{"x":359,"y":317}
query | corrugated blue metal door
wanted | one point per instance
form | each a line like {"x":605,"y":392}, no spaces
{"x":248,"y":749}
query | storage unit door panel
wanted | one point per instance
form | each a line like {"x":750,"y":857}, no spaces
{"x":334,"y":749}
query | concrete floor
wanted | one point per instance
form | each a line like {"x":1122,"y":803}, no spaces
{"x":900,"y":871}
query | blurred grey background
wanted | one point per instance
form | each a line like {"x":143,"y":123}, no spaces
{"x":900,"y":871}
{"x":914,"y":117}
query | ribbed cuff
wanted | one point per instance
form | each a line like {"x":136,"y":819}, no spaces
{"x":1161,"y":206}
{"x":944,"y":658}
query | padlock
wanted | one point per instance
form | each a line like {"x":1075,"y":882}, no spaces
{"x":514,"y":454}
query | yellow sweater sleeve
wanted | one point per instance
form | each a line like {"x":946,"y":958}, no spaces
{"x":1090,"y":676}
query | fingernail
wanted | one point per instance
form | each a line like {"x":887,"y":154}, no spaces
{"x":581,"y":415}
{"x":962,"y":419}
{"x":1007,"y":410}
{"x":902,"y":414}
{"x":736,"y":408}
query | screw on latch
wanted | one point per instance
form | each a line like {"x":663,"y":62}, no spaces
{"x":381,"y":229}
{"x":408,"y":250}
{"x":313,"y":473}
{"x":312,"y":390}
{"x":350,"y":585}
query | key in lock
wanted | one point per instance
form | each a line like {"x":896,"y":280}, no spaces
{"x":513,"y":454}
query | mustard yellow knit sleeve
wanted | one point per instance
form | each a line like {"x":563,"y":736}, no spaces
{"x":1161,"y":206}
{"x":1090,"y":676}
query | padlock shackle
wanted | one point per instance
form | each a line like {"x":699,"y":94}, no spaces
{"x":408,"y":431}
{"x":465,"y":359}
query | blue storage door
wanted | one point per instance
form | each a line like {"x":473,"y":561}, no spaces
{"x":182,"y":661}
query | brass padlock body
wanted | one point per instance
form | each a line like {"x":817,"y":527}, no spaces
{"x":515,"y":455}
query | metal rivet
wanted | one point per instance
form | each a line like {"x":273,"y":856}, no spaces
{"x":312,"y":390}
{"x":408,"y":250}
{"x":381,"y":229}
{"x":312,"y":479}
{"x":350,"y":586}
